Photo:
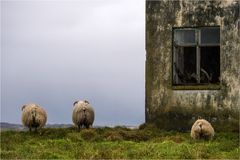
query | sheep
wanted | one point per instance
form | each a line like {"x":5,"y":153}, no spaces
{"x":202,"y":129}
{"x":33,"y":116}
{"x":83,"y":114}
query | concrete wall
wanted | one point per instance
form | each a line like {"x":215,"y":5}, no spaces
{"x":178,"y":109}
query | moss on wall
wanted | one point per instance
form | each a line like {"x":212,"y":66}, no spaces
{"x":178,"y":109}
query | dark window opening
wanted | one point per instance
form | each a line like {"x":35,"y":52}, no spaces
{"x":185,"y":65}
{"x":196,"y":56}
{"x":210,"y":64}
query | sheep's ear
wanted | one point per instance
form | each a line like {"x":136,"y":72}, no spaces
{"x":86,"y":101}
{"x":75,"y":103}
{"x":23,"y":107}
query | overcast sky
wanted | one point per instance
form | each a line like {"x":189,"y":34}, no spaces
{"x":56,"y":52}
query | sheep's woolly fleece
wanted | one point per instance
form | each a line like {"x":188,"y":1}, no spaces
{"x":33,"y":116}
{"x":83,"y":114}
{"x":202,"y":129}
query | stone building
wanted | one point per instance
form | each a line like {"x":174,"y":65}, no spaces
{"x":192,"y":63}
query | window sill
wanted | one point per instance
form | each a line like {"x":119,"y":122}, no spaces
{"x":197,"y":87}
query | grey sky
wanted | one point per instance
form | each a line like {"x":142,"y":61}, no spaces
{"x":56,"y":52}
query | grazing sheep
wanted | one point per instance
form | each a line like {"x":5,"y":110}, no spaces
{"x":202,"y":129}
{"x":33,"y":116}
{"x":83,"y":114}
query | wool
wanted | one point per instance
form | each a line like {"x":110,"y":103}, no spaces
{"x":33,"y":116}
{"x":202,"y":129}
{"x":83,"y":114}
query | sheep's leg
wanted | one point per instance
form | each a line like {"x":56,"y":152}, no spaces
{"x":30,"y":129}
{"x":35,"y":129}
{"x":88,"y":126}
{"x":79,"y":126}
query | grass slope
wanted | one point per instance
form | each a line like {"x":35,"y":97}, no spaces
{"x":118,"y":142}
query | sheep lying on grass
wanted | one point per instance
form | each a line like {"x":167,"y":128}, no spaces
{"x":33,"y":116}
{"x":202,"y":129}
{"x":83,"y":114}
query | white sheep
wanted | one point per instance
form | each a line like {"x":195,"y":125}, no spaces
{"x":202,"y":129}
{"x":33,"y":116}
{"x":83,"y":114}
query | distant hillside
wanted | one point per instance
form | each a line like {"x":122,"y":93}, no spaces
{"x":19,"y":127}
{"x":10,"y":126}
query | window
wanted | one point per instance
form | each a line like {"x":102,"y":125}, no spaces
{"x":196,"y":56}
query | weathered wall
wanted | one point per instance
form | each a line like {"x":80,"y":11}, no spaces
{"x":178,"y":109}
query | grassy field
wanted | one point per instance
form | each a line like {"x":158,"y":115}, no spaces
{"x":118,"y":142}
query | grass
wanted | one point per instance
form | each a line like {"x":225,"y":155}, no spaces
{"x":118,"y":142}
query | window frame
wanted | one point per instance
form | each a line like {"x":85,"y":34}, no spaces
{"x":198,"y":45}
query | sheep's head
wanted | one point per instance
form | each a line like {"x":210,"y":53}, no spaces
{"x":84,"y":101}
{"x":29,"y":104}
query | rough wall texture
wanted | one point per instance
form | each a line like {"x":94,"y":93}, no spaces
{"x":178,"y":109}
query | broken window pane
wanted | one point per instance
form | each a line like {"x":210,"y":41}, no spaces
{"x":210,"y":35}
{"x":210,"y":64}
{"x":184,"y":36}
{"x":184,"y":69}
